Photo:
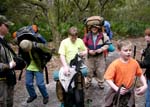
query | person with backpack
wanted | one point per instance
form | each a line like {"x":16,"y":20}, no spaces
{"x":97,"y":42}
{"x":68,"y":49}
{"x":120,"y":76}
{"x":145,"y":63}
{"x":32,"y":51}
{"x":7,"y":65}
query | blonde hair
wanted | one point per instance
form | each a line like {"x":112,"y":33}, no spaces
{"x":123,"y":43}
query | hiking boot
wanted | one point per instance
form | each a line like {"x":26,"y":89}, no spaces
{"x":101,"y":85}
{"x":30,"y":99}
{"x":45,"y":100}
{"x":88,"y":85}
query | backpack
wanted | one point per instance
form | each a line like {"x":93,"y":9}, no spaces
{"x":75,"y":94}
{"x":108,"y":29}
{"x":31,"y":33}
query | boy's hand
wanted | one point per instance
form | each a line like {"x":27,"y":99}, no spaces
{"x":141,"y":90}
{"x":123,"y":90}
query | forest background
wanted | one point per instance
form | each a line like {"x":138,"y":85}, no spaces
{"x":128,"y":18}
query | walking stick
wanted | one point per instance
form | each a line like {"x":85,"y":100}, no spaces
{"x":118,"y":97}
{"x":134,"y":54}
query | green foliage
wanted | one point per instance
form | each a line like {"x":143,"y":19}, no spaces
{"x":128,"y":28}
{"x":54,"y":17}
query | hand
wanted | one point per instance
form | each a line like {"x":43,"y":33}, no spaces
{"x":141,"y":90}
{"x":66,"y":71}
{"x":99,"y":50}
{"x":123,"y":90}
{"x":34,"y":44}
{"x":83,"y":53}
{"x":92,"y":52}
{"x":142,"y":51}
{"x":12,"y":64}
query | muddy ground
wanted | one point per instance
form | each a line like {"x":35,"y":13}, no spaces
{"x":94,"y":93}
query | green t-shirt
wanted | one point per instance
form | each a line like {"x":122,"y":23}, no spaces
{"x":32,"y":66}
{"x":70,"y":49}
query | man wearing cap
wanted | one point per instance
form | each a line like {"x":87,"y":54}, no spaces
{"x":7,"y":74}
{"x":96,"y":42}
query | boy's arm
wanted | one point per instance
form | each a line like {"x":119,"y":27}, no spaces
{"x":122,"y":91}
{"x":112,"y":85}
{"x":143,"y":88}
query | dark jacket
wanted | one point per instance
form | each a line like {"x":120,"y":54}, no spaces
{"x":145,"y":63}
{"x":6,"y":56}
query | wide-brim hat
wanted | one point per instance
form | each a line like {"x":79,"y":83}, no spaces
{"x":4,"y":20}
{"x":25,"y":45}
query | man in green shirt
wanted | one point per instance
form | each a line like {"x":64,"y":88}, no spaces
{"x":68,"y":49}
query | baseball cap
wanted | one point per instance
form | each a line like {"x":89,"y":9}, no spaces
{"x":4,"y":20}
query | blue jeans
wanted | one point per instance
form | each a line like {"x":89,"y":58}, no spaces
{"x":148,"y":94}
{"x":39,"y":81}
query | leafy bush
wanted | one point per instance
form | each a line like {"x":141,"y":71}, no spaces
{"x":128,"y":28}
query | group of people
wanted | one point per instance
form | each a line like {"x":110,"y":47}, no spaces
{"x":119,"y":75}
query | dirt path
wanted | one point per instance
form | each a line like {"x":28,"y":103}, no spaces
{"x":93,"y":92}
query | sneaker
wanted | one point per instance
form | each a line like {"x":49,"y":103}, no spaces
{"x":30,"y":99}
{"x":88,"y":85}
{"x":101,"y":85}
{"x":45,"y":100}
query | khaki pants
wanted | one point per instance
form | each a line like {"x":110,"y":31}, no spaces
{"x":96,"y":67}
{"x":6,"y":94}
